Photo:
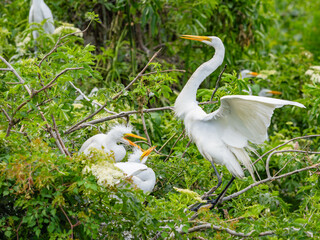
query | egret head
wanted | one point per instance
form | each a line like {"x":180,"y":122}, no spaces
{"x":139,"y":155}
{"x":211,"y":41}
{"x":268,"y":93}
{"x":247,"y":74}
{"x":120,"y":133}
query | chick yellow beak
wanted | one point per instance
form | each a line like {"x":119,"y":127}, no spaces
{"x":147,"y":152}
{"x":134,"y":136}
{"x":275,"y":92}
{"x":254,"y":74}
{"x":196,"y":38}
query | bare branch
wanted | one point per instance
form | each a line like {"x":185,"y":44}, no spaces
{"x":88,"y":99}
{"x":57,"y":43}
{"x":79,"y":125}
{"x":163,"y":71}
{"x":282,"y":151}
{"x":53,"y":80}
{"x":6,"y":114}
{"x":17,"y":75}
{"x":119,"y":115}
{"x":281,"y":145}
{"x":315,"y":166}
{"x":59,"y":137}
{"x":171,"y":150}
{"x":138,"y":76}
{"x":75,"y":127}
{"x":145,"y":127}
{"x":217,"y":83}
{"x":220,"y":228}
{"x":167,"y":141}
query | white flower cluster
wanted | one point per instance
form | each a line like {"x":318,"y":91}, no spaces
{"x":314,"y":72}
{"x":67,"y":27}
{"x":107,"y":174}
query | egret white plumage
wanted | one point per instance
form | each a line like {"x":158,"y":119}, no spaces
{"x":39,"y":11}
{"x":142,"y":176}
{"x":222,"y":136}
{"x":112,"y":142}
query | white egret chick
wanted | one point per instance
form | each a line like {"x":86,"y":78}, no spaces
{"x":222,"y":136}
{"x":39,"y":11}
{"x":112,"y":142}
{"x":142,"y":176}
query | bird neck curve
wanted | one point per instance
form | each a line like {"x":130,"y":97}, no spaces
{"x":187,"y":97}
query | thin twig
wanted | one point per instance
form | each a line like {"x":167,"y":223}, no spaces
{"x":119,"y":115}
{"x":217,"y":83}
{"x":137,"y":77}
{"x":6,"y":114}
{"x":164,"y":71}
{"x":268,"y":180}
{"x":75,"y":127}
{"x":59,"y":137}
{"x":88,"y":99}
{"x":17,"y":75}
{"x":282,"y":151}
{"x":185,"y":151}
{"x":281,"y":145}
{"x":145,"y":127}
{"x":53,"y":80}
{"x":59,"y":40}
{"x":79,"y":125}
{"x":220,"y":228}
{"x":167,"y":141}
{"x":171,"y":150}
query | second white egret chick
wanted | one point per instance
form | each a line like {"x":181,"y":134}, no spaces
{"x":142,"y":176}
{"x":112,"y":142}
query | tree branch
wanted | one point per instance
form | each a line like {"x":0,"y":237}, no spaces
{"x":268,"y":180}
{"x":17,"y":75}
{"x":220,"y":228}
{"x":217,"y":83}
{"x":282,"y":151}
{"x":137,"y":77}
{"x":75,"y":127}
{"x":281,"y":145}
{"x":88,"y":99}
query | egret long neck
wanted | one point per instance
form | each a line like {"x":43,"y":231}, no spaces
{"x":188,"y":94}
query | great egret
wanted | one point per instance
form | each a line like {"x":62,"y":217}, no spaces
{"x":222,"y":136}
{"x":39,"y":11}
{"x":109,"y":142}
{"x":142,"y":176}
{"x":264,"y":92}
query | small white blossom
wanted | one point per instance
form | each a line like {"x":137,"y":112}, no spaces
{"x":67,"y":27}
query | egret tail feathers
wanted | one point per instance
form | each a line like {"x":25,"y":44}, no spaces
{"x":244,"y":158}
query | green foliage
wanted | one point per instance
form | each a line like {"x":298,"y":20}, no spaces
{"x":47,"y":195}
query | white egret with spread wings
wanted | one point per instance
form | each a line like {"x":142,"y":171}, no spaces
{"x":222,"y":136}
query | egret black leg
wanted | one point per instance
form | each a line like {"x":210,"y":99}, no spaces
{"x":214,"y":201}
{"x":218,"y":176}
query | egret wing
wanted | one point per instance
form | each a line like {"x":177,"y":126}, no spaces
{"x":131,"y":168}
{"x":246,"y":117}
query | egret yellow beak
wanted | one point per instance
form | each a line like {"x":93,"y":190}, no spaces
{"x":134,"y":136}
{"x":275,"y":92}
{"x":196,"y":38}
{"x":254,"y":74}
{"x":147,"y":152}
